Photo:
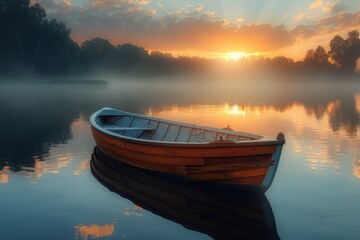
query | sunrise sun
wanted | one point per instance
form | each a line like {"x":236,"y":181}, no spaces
{"x":234,"y":56}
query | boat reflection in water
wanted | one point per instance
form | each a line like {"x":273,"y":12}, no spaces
{"x":218,"y":210}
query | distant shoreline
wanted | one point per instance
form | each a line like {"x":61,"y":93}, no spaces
{"x":72,"y":82}
{"x":54,"y":82}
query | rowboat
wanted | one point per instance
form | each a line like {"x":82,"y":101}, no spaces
{"x":188,"y":150}
{"x":221,"y":211}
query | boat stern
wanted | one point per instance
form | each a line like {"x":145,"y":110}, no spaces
{"x":276,"y":158}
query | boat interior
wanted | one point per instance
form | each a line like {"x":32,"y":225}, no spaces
{"x":148,"y":128}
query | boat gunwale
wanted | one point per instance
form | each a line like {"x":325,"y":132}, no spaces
{"x":256,"y":142}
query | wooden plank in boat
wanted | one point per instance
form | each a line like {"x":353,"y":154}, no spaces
{"x":130,"y":128}
{"x":195,"y":151}
{"x":175,"y":169}
{"x":148,"y":157}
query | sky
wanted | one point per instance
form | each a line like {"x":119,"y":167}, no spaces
{"x":210,"y":28}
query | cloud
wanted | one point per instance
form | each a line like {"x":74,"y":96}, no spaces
{"x":110,"y":3}
{"x":210,"y":14}
{"x":316,"y":4}
{"x":303,"y":31}
{"x":240,"y":20}
{"x":328,"y":25}
{"x":334,"y":8}
{"x":54,"y":5}
{"x":300,"y":16}
{"x":143,"y":2}
{"x":151,"y":12}
{"x":340,"y":20}
{"x":199,"y":8}
{"x":68,"y":3}
{"x":131,"y":21}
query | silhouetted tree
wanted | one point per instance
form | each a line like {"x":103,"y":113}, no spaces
{"x":57,"y":52}
{"x":345,"y":53}
{"x":98,"y":53}
{"x":320,"y":55}
{"x":317,"y":60}
{"x":317,"y":56}
{"x":30,"y":43}
{"x":130,"y":56}
{"x":19,"y":30}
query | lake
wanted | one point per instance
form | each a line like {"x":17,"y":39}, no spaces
{"x":48,"y":190}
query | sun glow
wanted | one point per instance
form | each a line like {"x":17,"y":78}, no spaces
{"x":235,"y":56}
{"x":235,"y":110}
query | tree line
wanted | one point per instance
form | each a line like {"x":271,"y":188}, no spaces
{"x":33,"y":45}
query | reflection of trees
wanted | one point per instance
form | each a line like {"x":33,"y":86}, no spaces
{"x":344,"y":114}
{"x":33,"y":118}
{"x":29,"y":126}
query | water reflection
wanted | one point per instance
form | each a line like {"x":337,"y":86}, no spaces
{"x":85,"y":232}
{"x":323,"y":140}
{"x":45,"y":134}
{"x":30,"y":125}
{"x":344,"y":114}
{"x":58,"y":157}
{"x":218,"y":211}
{"x":4,"y":175}
{"x":82,"y":167}
{"x":356,"y":162}
{"x":135,"y":211}
{"x":318,"y":121}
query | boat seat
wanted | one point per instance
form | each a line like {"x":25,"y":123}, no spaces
{"x":130,"y":128}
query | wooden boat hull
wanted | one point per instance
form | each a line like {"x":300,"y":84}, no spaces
{"x":219,"y":210}
{"x":245,"y":162}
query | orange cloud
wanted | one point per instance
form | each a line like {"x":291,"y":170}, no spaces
{"x":192,"y":28}
{"x":199,"y":8}
{"x":151,"y":12}
{"x":329,"y":25}
{"x":180,"y":31}
{"x":300,"y":16}
{"x":110,"y":3}
{"x":316,"y":4}
{"x":334,"y":8}
{"x":143,"y":2}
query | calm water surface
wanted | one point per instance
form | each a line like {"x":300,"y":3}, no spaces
{"x":48,"y":191}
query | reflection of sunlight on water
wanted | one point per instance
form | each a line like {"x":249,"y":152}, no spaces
{"x":135,"y":211}
{"x":308,"y":129}
{"x":82,"y":167}
{"x":4,"y":175}
{"x":356,"y":170}
{"x":357,"y":101}
{"x":93,"y":231}
{"x":51,"y":165}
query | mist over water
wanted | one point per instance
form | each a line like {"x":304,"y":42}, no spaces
{"x":46,"y":146}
